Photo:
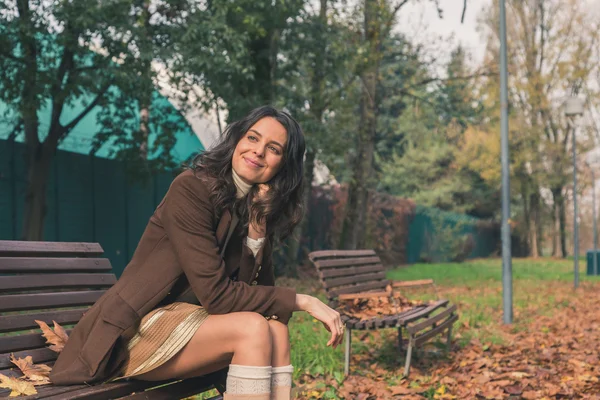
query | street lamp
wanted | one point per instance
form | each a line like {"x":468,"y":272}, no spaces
{"x":594,"y":216}
{"x":507,"y":295}
{"x":574,"y":108}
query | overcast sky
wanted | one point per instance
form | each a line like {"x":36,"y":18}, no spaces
{"x":420,"y":21}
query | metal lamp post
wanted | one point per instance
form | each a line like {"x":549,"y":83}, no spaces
{"x":574,"y":108}
{"x":507,"y":296}
{"x":594,"y":216}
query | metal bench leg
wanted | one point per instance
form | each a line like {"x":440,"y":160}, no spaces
{"x":408,"y":356}
{"x":348,"y":339}
{"x":400,"y":337}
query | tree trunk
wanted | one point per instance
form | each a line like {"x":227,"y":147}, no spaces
{"x":39,"y":160}
{"x":526,"y":214}
{"x":354,"y":228}
{"x":535,"y":229}
{"x":554,"y":229}
{"x":559,"y":200}
{"x":294,"y":251}
{"x":147,"y":86}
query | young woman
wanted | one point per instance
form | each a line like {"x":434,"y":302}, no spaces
{"x":198,"y":295}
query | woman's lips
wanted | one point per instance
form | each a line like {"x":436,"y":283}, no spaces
{"x":252,"y":163}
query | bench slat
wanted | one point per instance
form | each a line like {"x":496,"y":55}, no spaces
{"x":19,"y":322}
{"x":425,"y":311}
{"x":181,"y":389}
{"x":119,"y":389}
{"x":55,"y":281}
{"x":340,"y":253}
{"x":347,"y":262}
{"x":19,"y":302}
{"x":350,"y":280}
{"x":363,"y":287}
{"x":23,"y":342}
{"x":363,"y":295}
{"x":349,"y":271}
{"x":44,"y":392}
{"x":31,"y":248}
{"x":46,"y":264}
{"x":38,"y":356}
{"x":430,"y":321}
{"x":408,"y":284}
{"x":439,"y":329}
{"x":15,"y":373}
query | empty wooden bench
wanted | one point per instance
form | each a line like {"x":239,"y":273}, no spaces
{"x":59,"y":281}
{"x":349,"y":274}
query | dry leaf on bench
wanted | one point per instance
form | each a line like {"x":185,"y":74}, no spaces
{"x":57,"y":338}
{"x":18,"y":387}
{"x":38,"y":373}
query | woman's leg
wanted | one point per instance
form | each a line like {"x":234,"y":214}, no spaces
{"x":242,"y":338}
{"x":281,"y":344}
{"x":281,"y":380}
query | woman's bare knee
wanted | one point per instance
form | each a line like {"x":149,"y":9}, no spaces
{"x":253,"y":327}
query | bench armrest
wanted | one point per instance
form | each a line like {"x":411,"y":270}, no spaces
{"x":363,"y":295}
{"x":422,"y":282}
{"x":415,"y":283}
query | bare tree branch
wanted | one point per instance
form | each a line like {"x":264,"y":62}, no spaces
{"x":464,"y":11}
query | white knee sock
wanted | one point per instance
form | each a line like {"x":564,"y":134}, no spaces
{"x":281,"y":382}
{"x":244,"y":379}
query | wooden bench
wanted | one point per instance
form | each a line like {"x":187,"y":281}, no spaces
{"x":59,"y":281}
{"x":348,"y":274}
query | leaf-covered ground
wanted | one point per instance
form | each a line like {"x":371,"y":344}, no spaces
{"x":551,"y":351}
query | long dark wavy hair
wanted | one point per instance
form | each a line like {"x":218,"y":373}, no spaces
{"x":283,"y":208}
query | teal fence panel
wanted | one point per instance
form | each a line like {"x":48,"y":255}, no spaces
{"x":7,"y":181}
{"x":436,"y":235}
{"x":89,"y":199}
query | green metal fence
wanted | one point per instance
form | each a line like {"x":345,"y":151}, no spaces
{"x":436,"y":235}
{"x":88,"y":199}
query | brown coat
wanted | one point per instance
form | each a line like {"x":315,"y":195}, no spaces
{"x":180,"y":248}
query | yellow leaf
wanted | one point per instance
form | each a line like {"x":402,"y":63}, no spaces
{"x":34,"y":372}
{"x":18,"y":387}
{"x":57,"y":338}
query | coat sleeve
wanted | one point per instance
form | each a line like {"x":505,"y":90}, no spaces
{"x":188,"y":219}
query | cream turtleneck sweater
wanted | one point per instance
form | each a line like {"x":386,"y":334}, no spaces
{"x":242,"y":190}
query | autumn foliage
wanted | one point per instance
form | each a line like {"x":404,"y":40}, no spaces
{"x":34,"y":374}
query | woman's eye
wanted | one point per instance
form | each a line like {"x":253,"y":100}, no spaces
{"x":274,"y":149}
{"x":250,"y":137}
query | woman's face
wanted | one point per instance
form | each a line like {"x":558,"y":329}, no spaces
{"x":258,"y":155}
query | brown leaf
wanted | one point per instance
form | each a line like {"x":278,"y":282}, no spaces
{"x":530,"y":395}
{"x":18,"y":387}
{"x":513,"y":389}
{"x":34,"y":372}
{"x":57,"y":338}
{"x":397,"y":390}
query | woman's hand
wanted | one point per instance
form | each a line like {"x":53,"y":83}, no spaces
{"x":258,"y":230}
{"x":329,"y":317}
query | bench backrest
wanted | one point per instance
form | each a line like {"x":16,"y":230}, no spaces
{"x":45,"y":281}
{"x":349,"y":271}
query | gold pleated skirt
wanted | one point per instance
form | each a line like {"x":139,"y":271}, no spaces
{"x":161,"y":334}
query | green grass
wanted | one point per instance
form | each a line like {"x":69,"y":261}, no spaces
{"x":490,"y":270}
{"x":476,"y":288}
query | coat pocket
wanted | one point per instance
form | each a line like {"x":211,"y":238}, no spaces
{"x":116,"y":316}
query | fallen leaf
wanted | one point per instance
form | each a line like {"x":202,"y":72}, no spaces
{"x":513,"y":389}
{"x":530,"y":395}
{"x":57,"y":338}
{"x":34,"y":372}
{"x":18,"y":387}
{"x":397,"y":390}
